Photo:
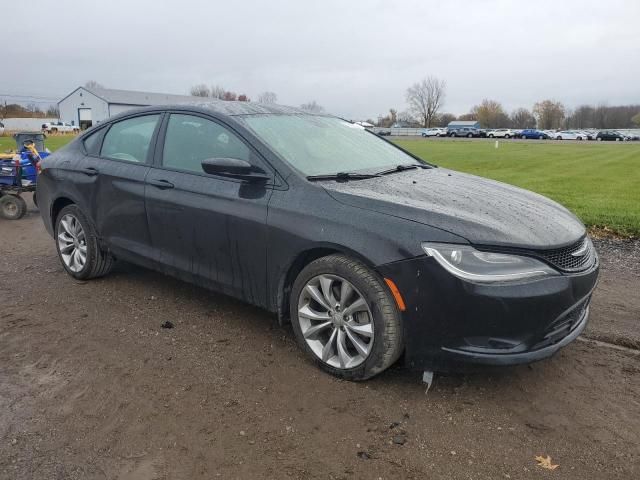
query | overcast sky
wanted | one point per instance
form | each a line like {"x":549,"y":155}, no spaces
{"x":356,"y":58}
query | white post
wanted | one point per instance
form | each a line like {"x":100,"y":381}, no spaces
{"x":497,"y":144}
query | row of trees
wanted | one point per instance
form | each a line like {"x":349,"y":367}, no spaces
{"x":14,"y":110}
{"x":426,"y":98}
{"x":216,"y":91}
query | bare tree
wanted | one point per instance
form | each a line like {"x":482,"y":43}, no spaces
{"x":405,"y":119}
{"x":93,"y":84}
{"x":549,"y":114}
{"x":53,"y":112}
{"x":267,"y":97}
{"x":523,"y":118}
{"x":312,"y":107}
{"x":217,"y":92}
{"x":200,"y":90}
{"x":387,"y":120}
{"x":443,"y":119}
{"x":636,"y":119}
{"x":467,"y":117}
{"x":425,"y":99}
{"x":490,"y":114}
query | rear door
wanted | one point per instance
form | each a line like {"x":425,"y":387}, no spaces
{"x":111,"y":178}
{"x":208,"y":229}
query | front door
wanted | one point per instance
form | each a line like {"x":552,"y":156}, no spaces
{"x":208,"y":229}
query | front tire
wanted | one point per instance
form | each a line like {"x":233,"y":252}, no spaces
{"x":78,"y":247}
{"x":345,"y":318}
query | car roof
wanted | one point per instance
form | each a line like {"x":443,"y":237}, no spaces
{"x":226,"y":108}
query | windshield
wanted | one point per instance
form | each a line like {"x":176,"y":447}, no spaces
{"x":317,"y":145}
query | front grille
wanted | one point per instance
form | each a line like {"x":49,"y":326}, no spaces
{"x":574,"y":258}
{"x":563,"y":326}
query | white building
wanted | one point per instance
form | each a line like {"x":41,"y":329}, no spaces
{"x":89,"y":106}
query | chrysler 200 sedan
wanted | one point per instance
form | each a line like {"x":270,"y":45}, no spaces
{"x":371,"y":253}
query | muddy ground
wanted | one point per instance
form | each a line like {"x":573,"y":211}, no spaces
{"x":92,"y":387}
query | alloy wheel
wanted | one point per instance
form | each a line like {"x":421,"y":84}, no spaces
{"x":335,"y":321}
{"x":72,"y":243}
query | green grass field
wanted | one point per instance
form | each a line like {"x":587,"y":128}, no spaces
{"x":52,"y":142}
{"x":599,"y":182}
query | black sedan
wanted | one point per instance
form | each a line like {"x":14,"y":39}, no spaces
{"x":369,"y":252}
{"x":611,"y":136}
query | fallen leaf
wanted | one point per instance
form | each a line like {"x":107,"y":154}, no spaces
{"x":545,"y":462}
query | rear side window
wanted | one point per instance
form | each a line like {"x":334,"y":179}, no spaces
{"x":130,"y":139}
{"x":92,"y":142}
{"x":191,"y":139}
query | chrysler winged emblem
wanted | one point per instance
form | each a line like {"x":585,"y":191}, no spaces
{"x":582,"y":251}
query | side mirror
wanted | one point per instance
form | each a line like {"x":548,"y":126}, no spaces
{"x":234,"y":168}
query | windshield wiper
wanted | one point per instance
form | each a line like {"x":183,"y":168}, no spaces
{"x":343,"y":176}
{"x":401,"y":168}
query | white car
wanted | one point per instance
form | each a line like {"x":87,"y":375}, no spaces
{"x":59,"y":127}
{"x":434,"y":132}
{"x":582,"y":135}
{"x":565,"y":135}
{"x":501,"y":133}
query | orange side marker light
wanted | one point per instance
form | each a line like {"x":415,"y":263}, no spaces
{"x":396,"y":294}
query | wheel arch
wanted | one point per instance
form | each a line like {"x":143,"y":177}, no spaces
{"x":57,"y":205}
{"x":297,"y":264}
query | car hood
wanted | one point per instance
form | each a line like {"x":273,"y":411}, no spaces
{"x":483,"y":211}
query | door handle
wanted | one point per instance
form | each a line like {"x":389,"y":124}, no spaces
{"x":161,"y":184}
{"x":92,"y":172}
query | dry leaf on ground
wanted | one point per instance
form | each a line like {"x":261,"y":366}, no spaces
{"x":545,"y":462}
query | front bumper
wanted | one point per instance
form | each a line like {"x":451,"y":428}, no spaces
{"x":450,"y":323}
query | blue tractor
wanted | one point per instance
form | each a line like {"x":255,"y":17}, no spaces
{"x":19,"y":173}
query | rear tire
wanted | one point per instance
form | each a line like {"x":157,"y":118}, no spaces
{"x":12,"y":207}
{"x":74,"y":232}
{"x":379,"y":313}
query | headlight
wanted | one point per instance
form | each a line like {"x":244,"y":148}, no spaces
{"x":466,"y":262}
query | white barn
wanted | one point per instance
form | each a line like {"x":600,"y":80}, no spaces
{"x":90,"y":106}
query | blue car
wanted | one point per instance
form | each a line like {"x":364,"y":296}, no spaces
{"x":532,"y":133}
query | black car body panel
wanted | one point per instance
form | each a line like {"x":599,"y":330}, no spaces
{"x":477,"y":209}
{"x":249,"y":240}
{"x":456,"y":322}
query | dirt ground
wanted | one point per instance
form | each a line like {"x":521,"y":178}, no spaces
{"x":92,"y":387}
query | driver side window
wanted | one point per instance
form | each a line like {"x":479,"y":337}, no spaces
{"x":191,"y":139}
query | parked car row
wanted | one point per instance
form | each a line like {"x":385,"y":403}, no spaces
{"x":529,"y":133}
